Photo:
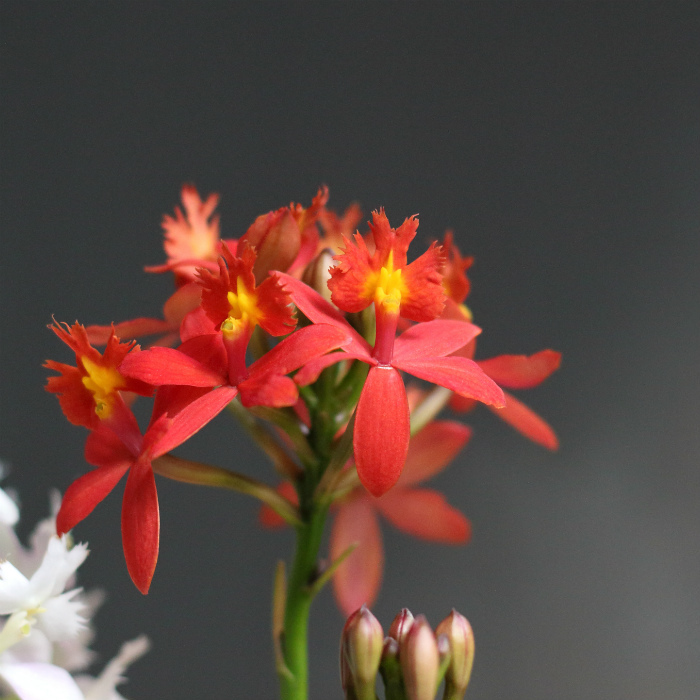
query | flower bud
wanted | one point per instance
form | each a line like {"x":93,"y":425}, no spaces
{"x":401,"y":625}
{"x":420,"y":661}
{"x":317,"y":273}
{"x":391,"y":670}
{"x":459,"y":633}
{"x":277,"y":240}
{"x":360,"y":653}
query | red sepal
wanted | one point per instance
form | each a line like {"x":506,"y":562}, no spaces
{"x":521,"y":371}
{"x":458,"y":374}
{"x":424,"y":513}
{"x":433,"y":339}
{"x":527,"y":422}
{"x":382,"y":430}
{"x":140,"y":524}
{"x":86,"y":492}
{"x":357,"y":580}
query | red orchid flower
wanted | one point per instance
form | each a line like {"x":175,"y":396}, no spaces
{"x":90,"y":392}
{"x":382,"y":423}
{"x":90,"y":395}
{"x":113,"y":457}
{"x":191,"y":240}
{"x":213,"y":352}
{"x":420,"y":512}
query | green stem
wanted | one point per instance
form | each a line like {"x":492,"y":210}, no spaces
{"x":300,"y":594}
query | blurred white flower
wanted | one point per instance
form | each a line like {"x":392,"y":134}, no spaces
{"x":103,"y":687}
{"x":41,"y":596}
{"x":45,"y":630}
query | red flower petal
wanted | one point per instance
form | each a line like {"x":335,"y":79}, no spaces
{"x":135,"y":328}
{"x":309,"y":373}
{"x":104,"y":448}
{"x":423,"y":279}
{"x":357,"y":580}
{"x":521,"y":371}
{"x":86,"y":492}
{"x":349,"y":277}
{"x":194,"y":417}
{"x":301,"y":347}
{"x":318,"y":310}
{"x":140,"y":524}
{"x":268,"y":390}
{"x":388,"y":239}
{"x":432,"y":449}
{"x":426,"y":514}
{"x":159,"y":366}
{"x":196,"y":323}
{"x":527,"y":422}
{"x":434,"y":339}
{"x":382,"y":430}
{"x":458,"y":374}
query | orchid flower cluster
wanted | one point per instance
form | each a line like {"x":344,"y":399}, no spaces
{"x":334,"y":352}
{"x":46,"y":630}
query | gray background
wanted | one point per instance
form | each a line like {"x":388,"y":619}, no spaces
{"x":561,"y":141}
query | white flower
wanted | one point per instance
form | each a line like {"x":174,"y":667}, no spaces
{"x":41,"y":596}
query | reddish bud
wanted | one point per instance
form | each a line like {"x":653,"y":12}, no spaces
{"x":360,"y":653}
{"x":458,"y":631}
{"x":401,"y":625}
{"x":420,"y":661}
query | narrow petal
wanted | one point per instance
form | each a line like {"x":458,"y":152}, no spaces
{"x":86,"y":492}
{"x":301,"y":347}
{"x":194,"y":417}
{"x":527,"y":422}
{"x":159,"y":366}
{"x":171,"y":400}
{"x":458,"y":374}
{"x":318,"y":310}
{"x":434,"y":339}
{"x":426,"y":514}
{"x":382,"y":430}
{"x":357,"y":580}
{"x":310,"y":372}
{"x":140,"y":525}
{"x":104,"y":448}
{"x":521,"y":371}
{"x":432,"y":449}
{"x":268,"y":390}
{"x":135,"y":328}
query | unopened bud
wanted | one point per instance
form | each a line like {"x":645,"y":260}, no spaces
{"x":317,"y":273}
{"x":401,"y":625}
{"x":420,"y":661}
{"x":391,"y":669}
{"x":360,"y":654}
{"x":459,"y":633}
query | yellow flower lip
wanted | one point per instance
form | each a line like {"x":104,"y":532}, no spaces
{"x":243,"y":305}
{"x":388,"y":286}
{"x":102,"y":383}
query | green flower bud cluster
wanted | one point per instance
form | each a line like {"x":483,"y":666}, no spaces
{"x":412,"y":660}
